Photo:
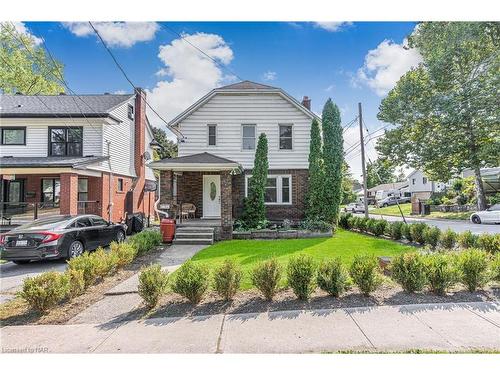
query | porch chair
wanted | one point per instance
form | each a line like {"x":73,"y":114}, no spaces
{"x":188,"y":210}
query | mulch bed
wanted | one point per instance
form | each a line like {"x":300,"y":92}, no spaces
{"x":17,"y":311}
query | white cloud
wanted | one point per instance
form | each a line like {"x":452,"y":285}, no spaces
{"x":332,"y":26}
{"x":116,"y":34}
{"x":22,"y":29}
{"x":269,"y":76}
{"x":190,"y":74}
{"x":120,"y":92}
{"x":330,"y":88}
{"x":384,"y":66}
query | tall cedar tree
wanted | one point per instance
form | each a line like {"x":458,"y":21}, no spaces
{"x":254,"y":210}
{"x":316,"y":175}
{"x":333,"y":157}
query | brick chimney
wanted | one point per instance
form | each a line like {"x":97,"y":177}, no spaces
{"x":139,"y":147}
{"x":306,"y":102}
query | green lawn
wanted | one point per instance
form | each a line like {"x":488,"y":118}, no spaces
{"x":248,"y":252}
{"x":406,"y":208}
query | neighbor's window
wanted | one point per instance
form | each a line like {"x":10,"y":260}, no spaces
{"x":285,"y":137}
{"x":424,"y":180}
{"x":278,"y":189}
{"x":13,"y":136}
{"x":248,"y":133}
{"x":65,"y":141}
{"x":131,"y":111}
{"x":212,"y":135}
{"x":83,"y":189}
{"x":51,"y":190}
{"x":120,"y":185}
{"x":413,"y":181}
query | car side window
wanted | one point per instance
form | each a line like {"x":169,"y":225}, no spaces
{"x":83,"y":223}
{"x":97,"y":221}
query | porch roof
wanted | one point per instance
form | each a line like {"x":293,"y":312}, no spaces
{"x":49,"y":161}
{"x":196,"y":162}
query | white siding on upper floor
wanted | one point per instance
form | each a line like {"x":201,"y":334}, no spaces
{"x":230,"y":111}
{"x":148,"y":138}
{"x":37,"y":136}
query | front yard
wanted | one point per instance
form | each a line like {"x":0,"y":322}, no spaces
{"x":406,"y":208}
{"x":344,"y":244}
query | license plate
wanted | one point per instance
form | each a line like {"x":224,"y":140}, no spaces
{"x":22,"y":243}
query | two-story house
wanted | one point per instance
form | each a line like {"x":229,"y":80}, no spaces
{"x":217,"y":149}
{"x":75,"y":154}
{"x":420,"y":186}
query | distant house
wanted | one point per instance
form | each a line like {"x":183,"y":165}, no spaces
{"x":66,"y":154}
{"x":397,"y":189}
{"x":490,"y":177}
{"x":420,"y":186}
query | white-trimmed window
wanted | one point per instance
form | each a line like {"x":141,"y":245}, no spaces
{"x":285,"y":133}
{"x":212,"y":134}
{"x":278,"y":189}
{"x":248,"y":136}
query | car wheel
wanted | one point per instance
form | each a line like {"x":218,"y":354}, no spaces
{"x":476,"y":220}
{"x":19,"y":262}
{"x":385,"y":205}
{"x":75,"y":249}
{"x":120,"y":236}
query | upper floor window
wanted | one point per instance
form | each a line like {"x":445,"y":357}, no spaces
{"x":248,"y":137}
{"x":212,"y":135}
{"x":119,"y":186}
{"x":65,"y":141}
{"x":131,"y":111}
{"x":13,"y":136}
{"x":424,"y":180}
{"x":413,"y":181}
{"x":285,"y":137}
{"x":278,"y":189}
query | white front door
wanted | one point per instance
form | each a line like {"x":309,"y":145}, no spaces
{"x":211,"y":196}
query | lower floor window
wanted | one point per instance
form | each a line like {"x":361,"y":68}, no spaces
{"x":83,"y":189}
{"x":277,"y":191}
{"x":51,"y":190}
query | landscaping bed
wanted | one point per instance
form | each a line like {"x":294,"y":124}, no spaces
{"x":273,"y":234}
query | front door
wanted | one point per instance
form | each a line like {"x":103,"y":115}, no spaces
{"x":211,"y":196}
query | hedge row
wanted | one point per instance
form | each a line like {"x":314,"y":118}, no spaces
{"x":422,"y":234}
{"x":413,"y":271}
{"x":47,"y":290}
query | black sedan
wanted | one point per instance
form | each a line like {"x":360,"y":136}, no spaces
{"x":61,"y":236}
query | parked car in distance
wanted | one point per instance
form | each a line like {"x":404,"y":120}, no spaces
{"x":62,"y":236}
{"x":490,"y":215}
{"x":355,"y":207}
{"x":391,"y":201}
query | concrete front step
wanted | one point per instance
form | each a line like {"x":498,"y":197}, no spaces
{"x":195,"y":229}
{"x":193,"y":241}
{"x":208,"y":236}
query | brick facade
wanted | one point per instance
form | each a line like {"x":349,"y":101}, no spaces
{"x":226,"y":205}
{"x":69,"y":194}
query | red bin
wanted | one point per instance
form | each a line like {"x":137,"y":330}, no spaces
{"x":167,"y":229}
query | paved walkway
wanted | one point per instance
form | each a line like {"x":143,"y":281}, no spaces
{"x":453,"y":327}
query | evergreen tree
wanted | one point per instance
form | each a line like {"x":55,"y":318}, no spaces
{"x":333,"y":157}
{"x":316,"y":175}
{"x":254,"y":210}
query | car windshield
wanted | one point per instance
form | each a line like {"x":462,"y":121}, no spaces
{"x":46,"y":223}
{"x":495,"y":207}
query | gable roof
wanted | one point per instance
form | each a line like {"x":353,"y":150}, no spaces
{"x":60,"y":105}
{"x":243,"y":87}
{"x":201,"y":161}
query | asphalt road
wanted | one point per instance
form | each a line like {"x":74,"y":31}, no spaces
{"x":456,"y":225}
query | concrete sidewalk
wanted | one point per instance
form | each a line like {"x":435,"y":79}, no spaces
{"x":449,"y":327}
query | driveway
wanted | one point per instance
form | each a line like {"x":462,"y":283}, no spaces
{"x":456,"y":225}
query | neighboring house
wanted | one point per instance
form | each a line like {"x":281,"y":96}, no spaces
{"x":490,"y":177}
{"x":76,"y":154}
{"x":216,"y":155}
{"x":397,"y":189}
{"x":422,"y":187}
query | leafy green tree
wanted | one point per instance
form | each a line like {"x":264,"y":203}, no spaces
{"x":254,"y":210}
{"x":24,"y":66}
{"x":379,"y":172}
{"x":348,"y":194}
{"x":316,"y":174}
{"x":333,"y":157}
{"x":168,"y":147}
{"x":447,"y":108}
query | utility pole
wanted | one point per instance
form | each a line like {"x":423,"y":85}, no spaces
{"x":362,"y":142}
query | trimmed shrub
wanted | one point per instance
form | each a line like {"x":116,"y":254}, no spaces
{"x":352,"y":221}
{"x":406,"y":229}
{"x":448,"y":239}
{"x":344,"y":220}
{"x":333,"y":277}
{"x":362,"y":224}
{"x":76,"y":283}
{"x":316,"y":225}
{"x":379,"y":227}
{"x":365,"y":273}
{"x":370,"y":225}
{"x":417,"y":232}
{"x":88,"y":265}
{"x":489,"y":242}
{"x":473,"y":266}
{"x":431,"y":236}
{"x":300,"y":275}
{"x":191,"y":281}
{"x":152,"y":284}
{"x":409,"y":271}
{"x":495,"y":267}
{"x":45,"y":291}
{"x":466,"y":240}
{"x":146,"y":240}
{"x":227,"y":279}
{"x":266,"y":277}
{"x":105,"y":262}
{"x":442,"y":273}
{"x":395,"y":230}
{"x":125,"y":253}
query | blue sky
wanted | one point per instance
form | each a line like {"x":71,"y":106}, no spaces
{"x":318,"y":60}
